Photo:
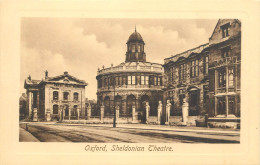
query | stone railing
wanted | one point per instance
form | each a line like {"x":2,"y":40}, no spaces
{"x":152,"y":68}
{"x":226,"y":61}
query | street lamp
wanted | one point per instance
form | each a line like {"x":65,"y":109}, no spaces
{"x":114,"y":85}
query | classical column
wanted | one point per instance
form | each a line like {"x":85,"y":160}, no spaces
{"x":63,"y":114}
{"x":185,"y":111}
{"x":78,"y":113}
{"x":35,"y":116}
{"x":133,"y":114}
{"x":159,"y":112}
{"x":38,"y":102}
{"x":147,"y":109}
{"x":89,"y":112}
{"x":30,"y":105}
{"x":102,"y":113}
{"x":168,"y":109}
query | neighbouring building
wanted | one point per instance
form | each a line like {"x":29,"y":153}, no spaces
{"x":187,"y":78}
{"x":54,"y":97}
{"x":208,"y":77}
{"x":225,"y":73}
{"x":22,"y":106}
{"x":131,"y":85}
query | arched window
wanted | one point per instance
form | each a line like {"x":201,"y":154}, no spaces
{"x":133,"y":48}
{"x":107,"y":106}
{"x":131,"y":101}
{"x":55,"y":109}
{"x":65,"y":95}
{"x":75,"y":96}
{"x":74,"y":111}
{"x":118,"y":101}
{"x":55,"y":95}
{"x":231,"y":77}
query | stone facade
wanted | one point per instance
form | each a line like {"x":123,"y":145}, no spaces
{"x":225,"y":73}
{"x":131,"y":84}
{"x":199,"y":75}
{"x":55,"y":97}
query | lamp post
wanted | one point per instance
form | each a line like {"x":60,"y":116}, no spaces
{"x":114,"y":85}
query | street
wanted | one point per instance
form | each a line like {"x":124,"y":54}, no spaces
{"x":57,"y":132}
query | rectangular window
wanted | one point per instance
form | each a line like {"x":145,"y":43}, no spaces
{"x":224,"y":29}
{"x":155,"y":81}
{"x":225,"y":52}
{"x":133,"y":80}
{"x":146,"y":80}
{"x":129,"y":80}
{"x":231,"y":77}
{"x":159,"y":81}
{"x":222,"y":80}
{"x":182,"y":72}
{"x":221,"y":106}
{"x":105,"y":82}
{"x":120,"y":81}
{"x":142,"y":80}
{"x":194,"y":68}
{"x":206,"y":65}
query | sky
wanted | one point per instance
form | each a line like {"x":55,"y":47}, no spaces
{"x":82,"y":45}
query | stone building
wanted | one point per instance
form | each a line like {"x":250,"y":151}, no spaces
{"x":225,"y":73}
{"x":22,"y":106}
{"x":131,"y":85}
{"x":208,"y":77}
{"x":187,"y":78}
{"x":56,"y":97}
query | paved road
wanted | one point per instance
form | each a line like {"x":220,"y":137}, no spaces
{"x":106,"y":134}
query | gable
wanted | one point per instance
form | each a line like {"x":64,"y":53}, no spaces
{"x":233,"y":27}
{"x":66,"y":78}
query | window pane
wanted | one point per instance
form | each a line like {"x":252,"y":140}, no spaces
{"x":129,"y":80}
{"x":142,"y":80}
{"x":146,"y":80}
{"x":133,"y":79}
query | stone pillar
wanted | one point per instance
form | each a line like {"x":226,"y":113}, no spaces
{"x":117,"y":112}
{"x":185,"y":112}
{"x":38,"y":102}
{"x":48,"y":115}
{"x":78,"y":113}
{"x":69,"y":113}
{"x":35,"y":115}
{"x":133,"y":114}
{"x":30,"y":105}
{"x":147,"y":111}
{"x":60,"y":119}
{"x":159,"y":112}
{"x":168,"y":109}
{"x":63,"y":114}
{"x":102,"y":113}
{"x":89,"y":112}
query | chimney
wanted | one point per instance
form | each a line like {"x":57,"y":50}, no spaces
{"x":46,"y":75}
{"x":65,"y":73}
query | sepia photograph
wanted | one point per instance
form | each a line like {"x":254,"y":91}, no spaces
{"x":124,"y":82}
{"x":130,"y":80}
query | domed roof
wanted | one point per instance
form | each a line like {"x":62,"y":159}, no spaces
{"x":135,"y":36}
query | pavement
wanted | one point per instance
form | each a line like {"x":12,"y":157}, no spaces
{"x":162,"y":127}
{"x":132,"y":133}
{"x":25,"y":136}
